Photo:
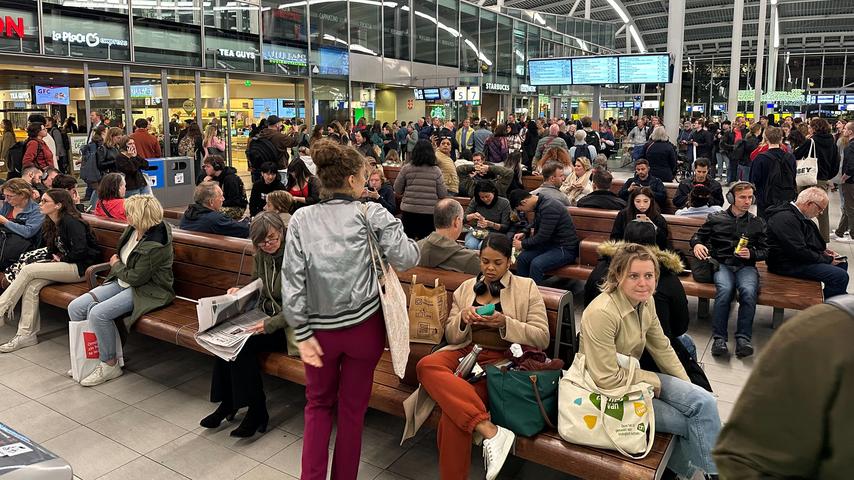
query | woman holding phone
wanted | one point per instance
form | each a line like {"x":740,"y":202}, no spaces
{"x":642,"y":206}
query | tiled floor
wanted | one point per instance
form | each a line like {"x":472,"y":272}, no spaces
{"x":144,"y":425}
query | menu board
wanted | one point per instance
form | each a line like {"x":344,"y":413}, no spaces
{"x":644,"y":68}
{"x":594,"y":70}
{"x":552,"y":71}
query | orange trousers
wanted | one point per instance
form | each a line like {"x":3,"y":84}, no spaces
{"x":463,"y":405}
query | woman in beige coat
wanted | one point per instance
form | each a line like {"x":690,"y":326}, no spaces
{"x":520,"y":317}
{"x":621,"y":322}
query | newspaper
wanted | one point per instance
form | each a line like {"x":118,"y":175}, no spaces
{"x":225,"y":321}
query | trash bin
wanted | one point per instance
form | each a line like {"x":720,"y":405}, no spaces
{"x":22,"y":458}
{"x":172,"y":180}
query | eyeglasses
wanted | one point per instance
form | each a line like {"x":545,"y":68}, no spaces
{"x":819,"y":207}
{"x":269,"y":241}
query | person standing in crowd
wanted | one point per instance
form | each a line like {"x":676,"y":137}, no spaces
{"x":642,"y":207}
{"x":520,"y":317}
{"x":805,"y":368}
{"x":661,"y":155}
{"x":643,"y":178}
{"x":480,"y":136}
{"x":238,"y":383}
{"x":581,"y":148}
{"x":701,"y":177}
{"x":204,"y":214}
{"x":736,"y":240}
{"x":140,"y":280}
{"x":446,"y":165}
{"x":111,"y":197}
{"x":37,"y":154}
{"x":529,"y":144}
{"x":554,"y":242}
{"x":743,"y":152}
{"x":726,"y":145}
{"x":270,"y":182}
{"x":212,"y":144}
{"x":402,"y":135}
{"x":773,"y":173}
{"x":553,"y":178}
{"x":71,"y":249}
{"x":497,"y":148}
{"x":93,"y":155}
{"x":622,"y":320}
{"x":602,"y":197}
{"x":796,"y":247}
{"x":147,"y":145}
{"x":421,"y":184}
{"x":8,"y":139}
{"x":61,"y":144}
{"x":130,"y":164}
{"x":191,"y":146}
{"x":70,"y":125}
{"x":465,"y":139}
{"x":487,"y":212}
{"x":96,"y":119}
{"x":302,"y":185}
{"x":362,"y":143}
{"x":335,"y":308}
{"x":553,"y":140}
{"x":828,"y":162}
{"x":846,"y":188}
{"x":440,"y":249}
{"x":638,"y":135}
{"x":232,"y":187}
{"x":282,"y":143}
{"x":703,"y":142}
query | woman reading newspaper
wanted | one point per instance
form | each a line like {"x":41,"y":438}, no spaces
{"x":238,"y":383}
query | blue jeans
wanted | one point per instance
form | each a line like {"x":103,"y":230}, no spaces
{"x":472,"y":242}
{"x":691,"y":413}
{"x":536,"y":262}
{"x":744,"y":173}
{"x":722,"y":159}
{"x":728,"y":280}
{"x":101,"y":306}
{"x":146,"y":190}
{"x":834,"y":277}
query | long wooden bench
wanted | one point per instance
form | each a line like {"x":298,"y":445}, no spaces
{"x":594,"y":226}
{"x":207,"y":265}
{"x":532,"y":182}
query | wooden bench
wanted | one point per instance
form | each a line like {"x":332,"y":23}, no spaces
{"x":533,"y":182}
{"x":207,"y":265}
{"x":594,"y":227}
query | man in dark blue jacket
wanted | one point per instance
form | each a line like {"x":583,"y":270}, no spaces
{"x":773,"y":174}
{"x":554,"y":243}
{"x":643,"y":178}
{"x":204,"y":215}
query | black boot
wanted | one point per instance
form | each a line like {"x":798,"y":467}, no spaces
{"x":222,"y":412}
{"x":256,"y":420}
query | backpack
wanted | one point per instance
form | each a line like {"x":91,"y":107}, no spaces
{"x":15,"y":159}
{"x":780,"y":187}
{"x":260,"y":151}
{"x":93,"y":156}
{"x":592,"y":138}
{"x":581,"y":151}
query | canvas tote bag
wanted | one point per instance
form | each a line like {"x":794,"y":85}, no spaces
{"x":621,"y":419}
{"x":807,"y":172}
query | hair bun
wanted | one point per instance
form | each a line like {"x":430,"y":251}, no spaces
{"x":324,"y":153}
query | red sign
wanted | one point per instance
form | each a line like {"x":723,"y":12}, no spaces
{"x":90,"y":342}
{"x":13,"y":27}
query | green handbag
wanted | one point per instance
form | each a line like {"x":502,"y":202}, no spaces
{"x":522,"y":401}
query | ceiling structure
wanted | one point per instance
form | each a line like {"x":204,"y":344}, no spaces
{"x":814,"y":25}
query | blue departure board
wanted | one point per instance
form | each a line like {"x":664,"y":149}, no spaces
{"x":594,"y":70}
{"x":551,"y":71}
{"x":644,"y":68}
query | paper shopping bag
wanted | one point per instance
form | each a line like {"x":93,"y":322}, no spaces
{"x":83,"y":345}
{"x":428,"y":312}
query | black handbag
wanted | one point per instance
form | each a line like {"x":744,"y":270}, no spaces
{"x":703,"y":271}
{"x":12,"y":246}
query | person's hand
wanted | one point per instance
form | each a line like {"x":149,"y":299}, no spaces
{"x":831,"y":253}
{"x":208,"y":178}
{"x":519,"y":236}
{"x":257,"y":328}
{"x":3,"y":220}
{"x":57,"y":258}
{"x":845,"y":177}
{"x":232,"y":290}
{"x":310,"y":352}
{"x":642,"y":217}
{"x":694,"y":143}
{"x":373,"y":195}
{"x":483,"y":223}
{"x":114,"y":260}
{"x":701,"y":252}
{"x":633,"y":187}
{"x":365,"y":192}
{"x":743,"y":253}
{"x":496,"y":320}
{"x":837,"y":261}
{"x":470,"y":316}
{"x":517,"y":244}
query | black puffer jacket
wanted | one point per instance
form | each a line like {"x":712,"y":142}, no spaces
{"x":722,"y":231}
{"x":552,"y":225}
{"x":825,"y":151}
{"x":661,"y":156}
{"x":232,"y":188}
{"x":793,"y":239}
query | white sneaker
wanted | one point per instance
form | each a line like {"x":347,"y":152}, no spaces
{"x":69,"y":373}
{"x":844,"y":237}
{"x":495,"y":451}
{"x":103,"y":372}
{"x":18,"y":342}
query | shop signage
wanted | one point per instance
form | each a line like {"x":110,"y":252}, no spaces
{"x":141,"y":91}
{"x":90,"y":39}
{"x":20,"y":95}
{"x":242,"y":54}
{"x":525,"y":88}
{"x":13,"y":27}
{"x":282,"y":57}
{"x":500,"y":87}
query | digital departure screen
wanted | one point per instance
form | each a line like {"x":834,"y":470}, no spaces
{"x":594,"y":70}
{"x":552,"y":71}
{"x":644,"y":68}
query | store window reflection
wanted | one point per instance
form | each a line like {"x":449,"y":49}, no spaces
{"x":469,"y":53}
{"x":146,"y":98}
{"x":396,"y":26}
{"x":365,"y":22}
{"x":330,"y":101}
{"x":167,"y":32}
{"x":231,"y":35}
{"x":285,"y":39}
{"x":425,"y":31}
{"x":21,"y":28}
{"x":106,"y":92}
{"x":448,"y":33}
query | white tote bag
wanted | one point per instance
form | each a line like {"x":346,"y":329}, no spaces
{"x":394,"y":305}
{"x":83,"y":345}
{"x":807,"y":174}
{"x":620,"y":419}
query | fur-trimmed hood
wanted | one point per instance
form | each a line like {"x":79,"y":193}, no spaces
{"x":667,"y":259}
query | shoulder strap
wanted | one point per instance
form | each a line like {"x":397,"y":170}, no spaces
{"x":844,"y":303}
{"x":104,"y":208}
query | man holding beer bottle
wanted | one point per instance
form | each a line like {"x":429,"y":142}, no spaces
{"x":735,"y":238}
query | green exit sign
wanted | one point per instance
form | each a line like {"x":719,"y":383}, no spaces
{"x":247,"y":83}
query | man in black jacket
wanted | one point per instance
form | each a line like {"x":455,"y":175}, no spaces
{"x":827,"y":155}
{"x":602,"y":197}
{"x":702,"y":140}
{"x":232,"y":187}
{"x":643,"y":178}
{"x":701,"y":177}
{"x":773,"y":172}
{"x":847,"y":186}
{"x":270,"y":182}
{"x":204,"y":215}
{"x":726,"y":145}
{"x":796,"y":247}
{"x":720,"y":238}
{"x":554,"y":243}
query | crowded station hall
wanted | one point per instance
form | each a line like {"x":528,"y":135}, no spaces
{"x":436,"y":239}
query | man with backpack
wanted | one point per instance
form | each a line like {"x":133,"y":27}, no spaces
{"x":270,"y":145}
{"x":582,"y":148}
{"x":62,"y":144}
{"x":773,"y":174}
{"x":592,"y":137}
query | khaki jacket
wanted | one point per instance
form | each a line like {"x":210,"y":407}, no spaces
{"x":527,"y":324}
{"x":610,"y":325}
{"x":449,"y":172}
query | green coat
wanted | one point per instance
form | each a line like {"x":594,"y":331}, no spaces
{"x":148,"y":270}
{"x":269,"y":269}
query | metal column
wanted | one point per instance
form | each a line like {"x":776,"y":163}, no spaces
{"x":597,"y":104}
{"x":773,"y":50}
{"x":760,"y":52}
{"x":88,"y":100}
{"x":164,"y":103}
{"x":127,"y":105}
{"x":735,"y":60}
{"x":673,"y":90}
{"x":198,"y":100}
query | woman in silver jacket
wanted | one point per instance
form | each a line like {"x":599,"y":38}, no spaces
{"x":331,"y":298}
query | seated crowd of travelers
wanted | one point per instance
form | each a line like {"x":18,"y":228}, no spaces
{"x":327,"y":311}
